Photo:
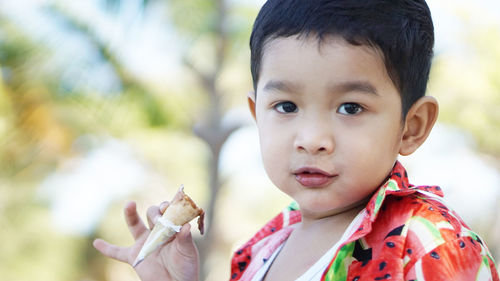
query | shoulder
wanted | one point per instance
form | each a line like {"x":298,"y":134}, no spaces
{"x":264,"y":242}
{"x":432,"y":241}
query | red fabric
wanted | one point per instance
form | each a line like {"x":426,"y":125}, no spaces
{"x":405,"y":234}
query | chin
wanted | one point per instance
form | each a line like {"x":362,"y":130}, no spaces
{"x":319,"y":207}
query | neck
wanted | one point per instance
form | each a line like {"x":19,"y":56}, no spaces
{"x":334,"y":221}
{"x":322,"y":233}
{"x":336,"y":214}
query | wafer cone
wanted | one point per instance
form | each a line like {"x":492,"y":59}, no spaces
{"x":180,"y":211}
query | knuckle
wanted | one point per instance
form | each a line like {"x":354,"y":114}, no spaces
{"x":153,"y":213}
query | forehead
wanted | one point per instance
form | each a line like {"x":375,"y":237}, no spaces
{"x":308,"y":60}
{"x":295,"y":45}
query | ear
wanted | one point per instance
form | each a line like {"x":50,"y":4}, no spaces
{"x":251,"y":103}
{"x":418,"y":124}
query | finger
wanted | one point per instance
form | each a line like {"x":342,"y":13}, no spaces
{"x":185,"y":241}
{"x":134,"y":222}
{"x":153,"y":214}
{"x":184,"y":233}
{"x":112,"y":251}
{"x":184,"y":236}
{"x":164,"y":206}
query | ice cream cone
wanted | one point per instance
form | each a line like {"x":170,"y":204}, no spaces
{"x":180,"y":211}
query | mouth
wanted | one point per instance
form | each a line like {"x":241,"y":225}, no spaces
{"x":313,"y":177}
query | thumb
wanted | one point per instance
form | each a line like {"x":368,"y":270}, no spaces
{"x":184,"y":236}
{"x":185,"y":241}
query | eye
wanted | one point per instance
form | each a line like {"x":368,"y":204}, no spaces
{"x":350,"y":108}
{"x":286,"y":107}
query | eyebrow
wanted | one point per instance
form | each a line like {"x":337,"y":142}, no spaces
{"x":344,"y":87}
{"x":281,"y":86}
{"x":354,"y":86}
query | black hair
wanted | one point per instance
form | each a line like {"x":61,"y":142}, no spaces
{"x":401,"y":29}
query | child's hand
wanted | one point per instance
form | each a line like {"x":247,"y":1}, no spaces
{"x":176,"y":260}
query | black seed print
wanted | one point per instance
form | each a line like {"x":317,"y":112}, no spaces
{"x":431,"y":209}
{"x":242,"y":265}
{"x":355,"y":278}
{"x":409,"y":251}
{"x":390,"y":244}
{"x":396,"y":231}
{"x":382,"y":265}
{"x":434,"y":255}
{"x":387,"y":276}
{"x":264,"y":260}
{"x":462,"y":244}
{"x":239,"y":252}
{"x":479,"y":240}
{"x":438,"y":188}
{"x":361,"y":254}
{"x":273,"y":229}
{"x":234,"y":276}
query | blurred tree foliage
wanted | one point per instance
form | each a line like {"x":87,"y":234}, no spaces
{"x":467,"y":84}
{"x":32,"y":138}
{"x":44,"y":109}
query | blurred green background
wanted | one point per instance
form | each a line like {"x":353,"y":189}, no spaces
{"x":107,"y":101}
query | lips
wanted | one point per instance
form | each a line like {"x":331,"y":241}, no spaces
{"x":313,"y":177}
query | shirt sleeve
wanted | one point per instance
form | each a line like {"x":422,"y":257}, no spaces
{"x":460,"y":259}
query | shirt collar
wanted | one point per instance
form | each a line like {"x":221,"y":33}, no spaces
{"x":397,"y":184}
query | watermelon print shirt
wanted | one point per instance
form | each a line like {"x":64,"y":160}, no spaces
{"x":405,"y":232}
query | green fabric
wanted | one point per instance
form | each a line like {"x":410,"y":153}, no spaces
{"x":294,"y":206}
{"x":338,"y":269}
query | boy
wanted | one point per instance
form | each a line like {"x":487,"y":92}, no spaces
{"x":339,"y":93}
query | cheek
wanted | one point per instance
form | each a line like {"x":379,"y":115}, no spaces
{"x":274,"y":151}
{"x":374,"y":147}
{"x":271,"y":147}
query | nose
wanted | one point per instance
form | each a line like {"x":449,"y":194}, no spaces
{"x":315,"y":138}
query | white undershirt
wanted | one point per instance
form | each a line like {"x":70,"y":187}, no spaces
{"x":315,"y":272}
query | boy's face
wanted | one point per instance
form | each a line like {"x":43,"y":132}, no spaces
{"x":329,"y":120}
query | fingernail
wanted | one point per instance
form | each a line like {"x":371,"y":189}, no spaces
{"x":164,"y":206}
